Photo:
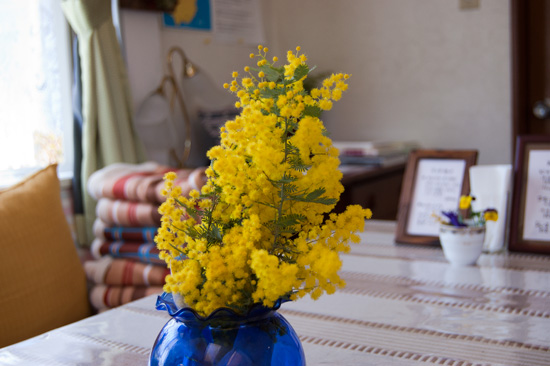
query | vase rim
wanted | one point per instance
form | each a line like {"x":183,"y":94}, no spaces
{"x":166,"y":302}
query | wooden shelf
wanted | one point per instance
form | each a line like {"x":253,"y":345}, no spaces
{"x":377,"y":188}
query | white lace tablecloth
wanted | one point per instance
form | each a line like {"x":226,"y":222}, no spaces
{"x":403,"y":305}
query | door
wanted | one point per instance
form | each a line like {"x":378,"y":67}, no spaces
{"x":530,"y":67}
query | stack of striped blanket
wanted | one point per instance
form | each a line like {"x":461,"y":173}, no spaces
{"x":126,"y":264}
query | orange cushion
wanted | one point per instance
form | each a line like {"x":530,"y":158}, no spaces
{"x":42,"y":282}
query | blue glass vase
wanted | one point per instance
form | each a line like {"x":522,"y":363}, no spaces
{"x":262,"y":337}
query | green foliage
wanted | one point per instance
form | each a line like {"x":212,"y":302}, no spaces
{"x":300,"y":72}
{"x":275,"y":74}
{"x":312,"y":110}
{"x":315,"y":196}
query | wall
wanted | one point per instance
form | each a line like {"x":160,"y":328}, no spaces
{"x":421,"y":69}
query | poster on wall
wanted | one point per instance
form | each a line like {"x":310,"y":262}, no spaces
{"x":193,"y":14}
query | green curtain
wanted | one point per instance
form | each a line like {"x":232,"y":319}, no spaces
{"x":108,"y":134}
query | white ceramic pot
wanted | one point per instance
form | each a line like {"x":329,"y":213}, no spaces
{"x":462,"y":246}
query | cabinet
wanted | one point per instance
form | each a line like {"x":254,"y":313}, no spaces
{"x":377,"y":188}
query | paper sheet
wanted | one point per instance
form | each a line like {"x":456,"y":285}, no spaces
{"x":238,"y":21}
{"x":437,"y":188}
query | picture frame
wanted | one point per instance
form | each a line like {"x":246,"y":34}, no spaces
{"x":434,"y":180}
{"x":149,"y":5}
{"x":530,"y":216}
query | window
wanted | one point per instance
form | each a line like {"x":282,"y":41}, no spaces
{"x":35,"y":89}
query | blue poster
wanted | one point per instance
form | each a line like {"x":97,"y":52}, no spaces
{"x":189,"y":14}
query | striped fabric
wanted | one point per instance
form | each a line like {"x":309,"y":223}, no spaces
{"x":127,"y":213}
{"x":141,"y":182}
{"x":145,"y":252}
{"x":127,"y":265}
{"x":124,"y":233}
{"x":125,"y":272}
{"x":105,"y":297}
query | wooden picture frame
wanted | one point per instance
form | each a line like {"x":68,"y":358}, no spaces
{"x":434,"y":181}
{"x":149,"y":5}
{"x":530,"y":219}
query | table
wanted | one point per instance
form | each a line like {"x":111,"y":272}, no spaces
{"x":403,"y":305}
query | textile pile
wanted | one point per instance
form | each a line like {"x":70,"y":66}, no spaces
{"x":126,"y":264}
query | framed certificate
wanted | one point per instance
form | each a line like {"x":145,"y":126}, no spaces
{"x":530,"y":222}
{"x":434,"y":181}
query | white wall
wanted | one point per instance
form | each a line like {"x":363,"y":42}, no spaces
{"x":421,"y":69}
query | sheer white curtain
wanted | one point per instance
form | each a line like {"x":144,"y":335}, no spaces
{"x":35,"y":81}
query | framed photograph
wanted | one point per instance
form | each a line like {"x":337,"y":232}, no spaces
{"x":530,"y":220}
{"x":434,"y":181}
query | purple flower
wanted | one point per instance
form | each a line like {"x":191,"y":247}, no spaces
{"x":453,"y":218}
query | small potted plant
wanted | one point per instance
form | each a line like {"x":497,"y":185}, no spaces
{"x":462,"y":232}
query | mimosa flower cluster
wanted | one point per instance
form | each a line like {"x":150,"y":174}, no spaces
{"x":261,"y":228}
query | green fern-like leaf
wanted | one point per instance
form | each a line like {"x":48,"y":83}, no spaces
{"x":315,"y":196}
{"x":270,"y":93}
{"x":298,"y":164}
{"x":289,"y":220}
{"x":286,"y":179}
{"x":211,"y":233}
{"x":193,"y":233}
{"x":191,"y":211}
{"x":289,"y":189}
{"x":301,"y":71}
{"x":295,"y":160}
{"x":312,"y":111}
{"x":275,"y":74}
